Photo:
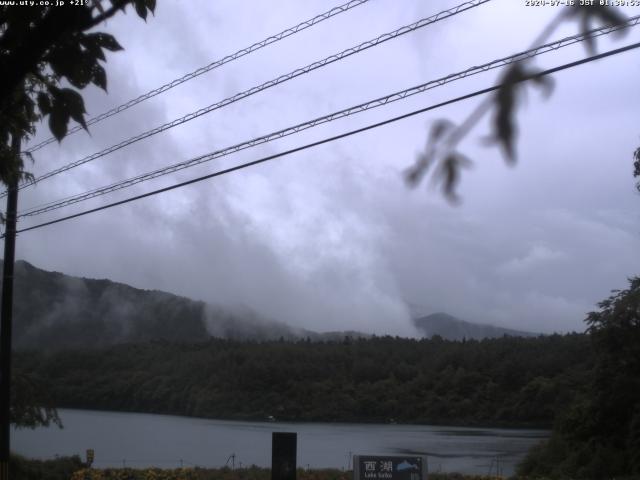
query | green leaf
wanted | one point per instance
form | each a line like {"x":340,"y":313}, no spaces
{"x":503,"y":124}
{"x":505,"y":101}
{"x":607,"y":15}
{"x":63,"y":59}
{"x":545,"y":83}
{"x":99,"y":77}
{"x":10,"y":164}
{"x":58,"y":120}
{"x":75,"y":106}
{"x":82,"y":71}
{"x":72,"y":62}
{"x":107,"y":41}
{"x":425,"y":159}
{"x":415,"y":173}
{"x":141,"y":8}
{"x":44,"y":103}
{"x":29,"y":155}
{"x":67,"y":103}
{"x":91,"y":43}
{"x":98,"y":5}
{"x":439,"y":128}
{"x":450,"y":173}
{"x":602,"y":14}
{"x":589,"y":42}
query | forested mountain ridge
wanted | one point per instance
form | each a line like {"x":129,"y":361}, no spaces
{"x":452,"y":328}
{"x":55,"y":311}
{"x":598,"y":435}
{"x":507,"y":381}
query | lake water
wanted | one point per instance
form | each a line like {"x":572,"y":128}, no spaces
{"x":141,"y":440}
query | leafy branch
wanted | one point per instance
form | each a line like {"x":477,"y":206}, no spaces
{"x":39,"y":49}
{"x":442,"y":142}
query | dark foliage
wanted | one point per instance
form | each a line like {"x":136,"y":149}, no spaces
{"x":445,"y":136}
{"x":31,"y":405}
{"x":598,"y":13}
{"x":599,"y":435}
{"x":40,"y":49}
{"x":505,"y":381}
{"x":53,"y":310}
{"x":59,"y":469}
{"x":506,"y":103}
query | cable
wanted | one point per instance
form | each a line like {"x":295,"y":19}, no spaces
{"x":215,"y":64}
{"x":334,"y":138}
{"x":271,"y":83}
{"x":328,"y":118}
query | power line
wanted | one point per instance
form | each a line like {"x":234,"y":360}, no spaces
{"x":333,"y":116}
{"x":271,"y":83}
{"x":207,"y":68}
{"x":328,"y":118}
{"x":336,"y":137}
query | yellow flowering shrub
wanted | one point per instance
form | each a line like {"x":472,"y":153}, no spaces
{"x":138,"y":474}
{"x":252,"y":473}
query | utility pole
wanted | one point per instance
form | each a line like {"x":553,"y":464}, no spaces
{"x":6,"y":310}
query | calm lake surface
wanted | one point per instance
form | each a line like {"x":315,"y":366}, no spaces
{"x":141,"y":440}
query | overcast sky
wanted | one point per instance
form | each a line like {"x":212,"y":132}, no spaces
{"x":332,"y":238}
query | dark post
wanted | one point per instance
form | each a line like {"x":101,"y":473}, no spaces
{"x":5,"y":322}
{"x":283,"y":456}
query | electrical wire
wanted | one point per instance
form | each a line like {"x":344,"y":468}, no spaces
{"x":336,"y":137}
{"x":271,"y":83}
{"x":207,"y":68}
{"x":553,"y":46}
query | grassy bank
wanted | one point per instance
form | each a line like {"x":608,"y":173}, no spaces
{"x":72,"y":468}
{"x":253,"y":473}
{"x":62,"y":468}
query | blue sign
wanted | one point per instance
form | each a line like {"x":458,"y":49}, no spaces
{"x":389,"y":467}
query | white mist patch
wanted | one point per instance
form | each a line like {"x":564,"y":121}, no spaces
{"x":68,"y":307}
{"x":538,"y":255}
{"x":241,"y":322}
{"x":332,"y":271}
{"x":120,"y":310}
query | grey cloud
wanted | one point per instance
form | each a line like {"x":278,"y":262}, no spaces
{"x":331,"y":238}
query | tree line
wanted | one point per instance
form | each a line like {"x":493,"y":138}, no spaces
{"x":506,"y":381}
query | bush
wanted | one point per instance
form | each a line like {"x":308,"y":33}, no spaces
{"x":62,"y":468}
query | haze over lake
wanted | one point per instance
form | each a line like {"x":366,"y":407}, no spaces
{"x":140,"y":440}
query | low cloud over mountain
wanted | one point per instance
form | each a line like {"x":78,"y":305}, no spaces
{"x":452,"y":328}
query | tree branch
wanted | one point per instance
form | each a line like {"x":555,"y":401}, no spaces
{"x":117,"y":5}
{"x":54,"y":27}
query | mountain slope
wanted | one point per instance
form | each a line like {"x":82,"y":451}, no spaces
{"x":53,"y":311}
{"x":452,"y":328}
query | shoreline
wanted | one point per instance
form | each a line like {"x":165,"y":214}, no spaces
{"x":276,"y":421}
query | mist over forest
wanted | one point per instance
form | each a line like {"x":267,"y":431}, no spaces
{"x":55,"y":311}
